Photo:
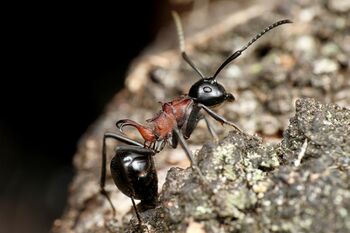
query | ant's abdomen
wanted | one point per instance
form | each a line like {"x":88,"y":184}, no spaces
{"x":134,"y":173}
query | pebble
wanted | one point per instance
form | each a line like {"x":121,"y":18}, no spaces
{"x":341,"y":6}
{"x":306,"y":44}
{"x":324,"y":66}
{"x":307,"y":15}
{"x":233,"y":71}
{"x":330,"y":49}
{"x":269,"y":125}
{"x":322,"y":81}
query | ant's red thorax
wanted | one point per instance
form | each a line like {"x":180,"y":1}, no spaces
{"x":173,"y":114}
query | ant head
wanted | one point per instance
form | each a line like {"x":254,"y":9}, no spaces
{"x":209,"y":92}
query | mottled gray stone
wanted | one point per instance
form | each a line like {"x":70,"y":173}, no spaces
{"x":255,"y":187}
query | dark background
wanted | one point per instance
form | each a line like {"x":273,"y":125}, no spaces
{"x":63,"y":64}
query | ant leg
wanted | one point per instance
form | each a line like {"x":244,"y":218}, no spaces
{"x":161,"y":146}
{"x":121,"y":138}
{"x":188,"y":153}
{"x":211,"y":129}
{"x":184,"y":146}
{"x":217,"y":117}
{"x":192,"y":122}
{"x":136,"y":211}
{"x":104,"y":158}
{"x":174,"y":140}
{"x":134,"y":173}
{"x":104,"y":193}
{"x":145,"y":131}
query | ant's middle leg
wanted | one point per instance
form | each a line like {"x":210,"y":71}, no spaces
{"x":188,"y":152}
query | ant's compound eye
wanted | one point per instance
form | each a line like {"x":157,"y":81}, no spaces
{"x":207,"y":89}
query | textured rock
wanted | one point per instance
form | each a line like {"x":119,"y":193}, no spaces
{"x":299,"y":185}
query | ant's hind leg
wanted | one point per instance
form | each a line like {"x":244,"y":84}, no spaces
{"x":104,"y":158}
{"x":136,"y":211}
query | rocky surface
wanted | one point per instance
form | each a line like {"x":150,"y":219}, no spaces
{"x":299,"y":185}
{"x":292,"y":176}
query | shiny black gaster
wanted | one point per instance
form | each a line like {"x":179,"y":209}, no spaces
{"x":134,"y":173}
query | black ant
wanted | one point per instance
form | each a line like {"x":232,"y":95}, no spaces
{"x":132,"y":167}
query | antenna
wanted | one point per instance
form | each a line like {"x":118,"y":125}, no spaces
{"x":239,"y":52}
{"x":180,"y":35}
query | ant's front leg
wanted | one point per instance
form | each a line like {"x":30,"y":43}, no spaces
{"x":219,"y":118}
{"x":192,"y":122}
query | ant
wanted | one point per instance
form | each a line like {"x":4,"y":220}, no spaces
{"x":132,"y":167}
